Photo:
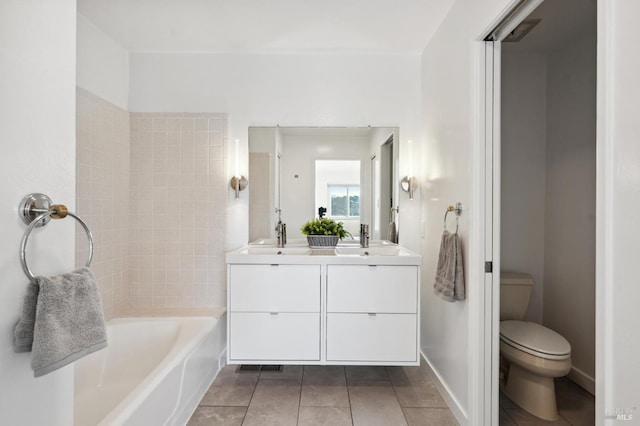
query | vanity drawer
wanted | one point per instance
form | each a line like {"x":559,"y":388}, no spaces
{"x":372,"y":289}
{"x":282,"y":336}
{"x":367,"y":338}
{"x":274,"y":288}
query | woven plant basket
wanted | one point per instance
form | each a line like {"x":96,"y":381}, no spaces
{"x":322,"y":241}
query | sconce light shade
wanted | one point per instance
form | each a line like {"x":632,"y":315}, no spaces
{"x":239,"y":183}
{"x":409,"y":184}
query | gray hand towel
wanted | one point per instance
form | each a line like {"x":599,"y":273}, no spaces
{"x":449,"y":283}
{"x":393,"y":232}
{"x":69,"y":323}
{"x":23,"y":332}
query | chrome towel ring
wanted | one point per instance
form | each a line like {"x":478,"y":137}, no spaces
{"x":36,"y":210}
{"x":457,"y":210}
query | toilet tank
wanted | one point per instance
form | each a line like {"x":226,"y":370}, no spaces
{"x":515,"y":289}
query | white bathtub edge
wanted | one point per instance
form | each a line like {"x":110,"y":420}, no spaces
{"x":189,"y":408}
{"x":123,"y":412}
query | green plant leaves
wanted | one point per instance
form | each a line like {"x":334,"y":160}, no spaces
{"x":324,"y":226}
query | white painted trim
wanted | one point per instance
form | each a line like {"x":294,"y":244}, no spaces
{"x":479,"y":387}
{"x":605,"y":169}
{"x":454,"y":405}
{"x":517,"y":13}
{"x":583,"y":380}
{"x":494,"y":177}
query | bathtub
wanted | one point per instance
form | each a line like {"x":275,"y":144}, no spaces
{"x":154,"y":372}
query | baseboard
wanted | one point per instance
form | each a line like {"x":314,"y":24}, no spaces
{"x":222,"y":359}
{"x":456,"y":409}
{"x":583,"y":380}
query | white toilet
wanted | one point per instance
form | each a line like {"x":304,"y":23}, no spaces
{"x":531,"y":355}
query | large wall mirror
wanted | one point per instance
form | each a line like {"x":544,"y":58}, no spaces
{"x":352,"y":172}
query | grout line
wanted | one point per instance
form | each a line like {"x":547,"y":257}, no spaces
{"x":344,"y":369}
{"x":299,"y":396}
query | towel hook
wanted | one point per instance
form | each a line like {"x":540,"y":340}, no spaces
{"x":457,"y":210}
{"x":36,"y":210}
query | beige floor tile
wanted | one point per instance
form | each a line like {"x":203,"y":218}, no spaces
{"x":357,"y":372}
{"x":505,"y":402}
{"x":429,"y":417}
{"x":404,"y":375}
{"x":230,"y":390}
{"x":424,"y":395}
{"x":214,"y":416}
{"x":505,"y":420}
{"x":274,"y":402}
{"x":324,"y":416}
{"x":289,"y":372}
{"x":375,"y":403}
{"x":575,"y":404}
{"x":524,"y":418}
{"x":324,"y":375}
{"x":324,"y":396}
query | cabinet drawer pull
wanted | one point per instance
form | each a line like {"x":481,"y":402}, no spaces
{"x":275,"y":264}
{"x":273,"y":313}
{"x":372,"y":314}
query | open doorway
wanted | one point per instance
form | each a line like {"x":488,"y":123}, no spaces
{"x":544,"y":140}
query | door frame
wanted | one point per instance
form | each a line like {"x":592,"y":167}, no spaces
{"x":484,"y":336}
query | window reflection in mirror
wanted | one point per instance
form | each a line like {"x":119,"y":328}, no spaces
{"x":337,"y":186}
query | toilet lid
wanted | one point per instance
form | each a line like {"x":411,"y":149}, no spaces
{"x":534,"y":339}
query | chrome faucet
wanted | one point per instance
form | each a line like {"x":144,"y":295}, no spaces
{"x":281,"y":234}
{"x":364,"y":236}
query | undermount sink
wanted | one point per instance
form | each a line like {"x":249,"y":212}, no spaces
{"x":383,"y":250}
{"x":298,"y":251}
{"x":271,"y":243}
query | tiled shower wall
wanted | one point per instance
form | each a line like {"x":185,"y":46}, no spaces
{"x":102,"y":188}
{"x":178,"y":196}
{"x":152,"y":189}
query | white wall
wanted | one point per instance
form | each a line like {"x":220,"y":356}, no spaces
{"x":570,"y":222}
{"x":618,"y":200}
{"x":102,"y":64}
{"x":290,"y":90}
{"x":37,"y":154}
{"x":523,"y":139}
{"x":450,"y":85}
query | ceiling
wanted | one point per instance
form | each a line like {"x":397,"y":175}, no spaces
{"x":268,"y":26}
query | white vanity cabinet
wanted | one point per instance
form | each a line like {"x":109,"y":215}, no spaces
{"x":320,"y":307}
{"x":372,"y":313}
{"x":274,"y":313}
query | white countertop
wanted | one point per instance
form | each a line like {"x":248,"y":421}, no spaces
{"x":378,"y":253}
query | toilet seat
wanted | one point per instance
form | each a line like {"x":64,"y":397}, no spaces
{"x":535,"y":339}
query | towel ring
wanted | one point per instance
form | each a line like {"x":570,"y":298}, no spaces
{"x":29,"y":207}
{"x":458,"y":211}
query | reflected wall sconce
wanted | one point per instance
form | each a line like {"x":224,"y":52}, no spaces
{"x":409,"y":183}
{"x":238,"y":182}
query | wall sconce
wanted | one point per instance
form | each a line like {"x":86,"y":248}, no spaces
{"x":238,"y":182}
{"x":409,"y":183}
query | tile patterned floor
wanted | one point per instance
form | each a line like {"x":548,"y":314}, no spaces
{"x":336,"y":395}
{"x":323,"y":395}
{"x":575,"y":407}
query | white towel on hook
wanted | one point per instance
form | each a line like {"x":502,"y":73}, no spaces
{"x":449,"y":283}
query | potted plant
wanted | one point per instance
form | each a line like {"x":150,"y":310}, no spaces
{"x":323,"y":232}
